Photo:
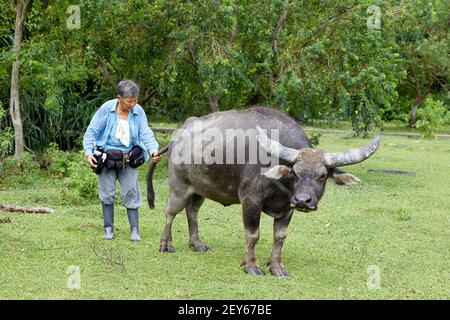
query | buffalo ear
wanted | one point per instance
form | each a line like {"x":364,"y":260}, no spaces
{"x":278,"y":172}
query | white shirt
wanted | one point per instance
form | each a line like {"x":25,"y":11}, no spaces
{"x":123,"y":132}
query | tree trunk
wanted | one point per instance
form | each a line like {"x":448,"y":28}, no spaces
{"x":234,"y":32}
{"x":14,"y":104}
{"x":280,"y":26}
{"x":419,"y":98}
{"x":413,"y":114}
{"x":104,"y":68}
{"x":274,"y":44}
{"x":214,"y":103}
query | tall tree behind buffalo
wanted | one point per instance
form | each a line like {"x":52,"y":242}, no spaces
{"x":22,"y":7}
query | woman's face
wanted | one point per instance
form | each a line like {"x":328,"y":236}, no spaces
{"x":127,"y":103}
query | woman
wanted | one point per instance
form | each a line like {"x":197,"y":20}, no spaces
{"x":118,"y":126}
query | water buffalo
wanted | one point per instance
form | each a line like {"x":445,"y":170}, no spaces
{"x":218,"y":167}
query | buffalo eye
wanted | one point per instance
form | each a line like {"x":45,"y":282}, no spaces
{"x":323,"y":176}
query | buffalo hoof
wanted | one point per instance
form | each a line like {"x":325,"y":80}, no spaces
{"x":200,"y":247}
{"x":278,"y":271}
{"x":254,"y":271}
{"x":166,"y":248}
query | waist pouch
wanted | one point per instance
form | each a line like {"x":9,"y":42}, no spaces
{"x":136,"y":157}
{"x":115,"y":159}
{"x":101,"y":160}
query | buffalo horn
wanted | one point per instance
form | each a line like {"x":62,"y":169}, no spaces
{"x":275,"y":148}
{"x":352,"y":156}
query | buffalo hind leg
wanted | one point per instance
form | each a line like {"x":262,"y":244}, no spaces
{"x":175,"y":204}
{"x":252,"y":216}
{"x":280,"y":225}
{"x":193,"y":205}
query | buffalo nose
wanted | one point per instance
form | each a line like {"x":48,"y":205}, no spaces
{"x":302,"y":199}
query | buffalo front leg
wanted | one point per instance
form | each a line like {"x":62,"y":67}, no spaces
{"x":193,"y":205}
{"x":252,"y":216}
{"x":280,"y":226}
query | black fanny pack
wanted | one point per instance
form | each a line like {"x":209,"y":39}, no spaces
{"x":136,"y":157}
{"x":116,"y":159}
{"x":100,"y":157}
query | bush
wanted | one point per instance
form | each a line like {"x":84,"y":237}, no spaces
{"x":57,"y":162}
{"x":18,"y":171}
{"x":81,"y":179}
{"x":314,"y":138}
{"x":79,"y":184}
{"x":6,"y":136}
{"x":22,"y":165}
{"x":431,"y":118}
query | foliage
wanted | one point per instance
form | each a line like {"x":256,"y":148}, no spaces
{"x":79,"y":182}
{"x":55,"y":161}
{"x":314,"y":60}
{"x":314,"y":138}
{"x":6,"y":136}
{"x":18,"y":170}
{"x":423,"y":39}
{"x":346,"y":72}
{"x":82,"y":181}
{"x":431,"y":118}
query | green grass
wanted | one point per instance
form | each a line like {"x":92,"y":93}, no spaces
{"x":388,"y":127}
{"x":399,"y":223}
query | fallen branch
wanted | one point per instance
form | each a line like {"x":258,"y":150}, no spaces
{"x":25,"y":209}
{"x":164,"y":130}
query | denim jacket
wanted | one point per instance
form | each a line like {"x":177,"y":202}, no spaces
{"x":101,"y":124}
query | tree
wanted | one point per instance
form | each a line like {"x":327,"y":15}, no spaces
{"x":22,"y":7}
{"x":205,"y":64}
{"x":312,"y":59}
{"x":332,"y":66}
{"x":424,"y":43}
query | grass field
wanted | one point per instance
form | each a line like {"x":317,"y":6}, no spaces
{"x":397,"y":226}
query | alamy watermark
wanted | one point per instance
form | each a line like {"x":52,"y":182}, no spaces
{"x":202,"y":143}
{"x":74,"y":20}
{"x":374,"y":277}
{"x":374,"y":21}
{"x":74,"y":277}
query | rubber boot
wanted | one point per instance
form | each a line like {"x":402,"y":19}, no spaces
{"x":108,"y":219}
{"x":134,"y":224}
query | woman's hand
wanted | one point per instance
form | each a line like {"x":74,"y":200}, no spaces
{"x":91,"y":160}
{"x":156,"y":158}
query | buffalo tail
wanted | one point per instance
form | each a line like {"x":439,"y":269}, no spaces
{"x":150,"y":190}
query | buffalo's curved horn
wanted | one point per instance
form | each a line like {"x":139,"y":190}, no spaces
{"x":275,"y":148}
{"x":352,"y":156}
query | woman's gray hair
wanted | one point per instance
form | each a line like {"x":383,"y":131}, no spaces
{"x":127,"y":88}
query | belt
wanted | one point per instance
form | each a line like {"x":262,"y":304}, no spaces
{"x":125,"y":159}
{"x":117,"y":159}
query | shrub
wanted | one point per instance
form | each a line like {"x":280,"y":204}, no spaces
{"x":57,"y":162}
{"x":431,"y":118}
{"x":6,"y":136}
{"x":81,"y":179}
{"x":314,"y":138}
